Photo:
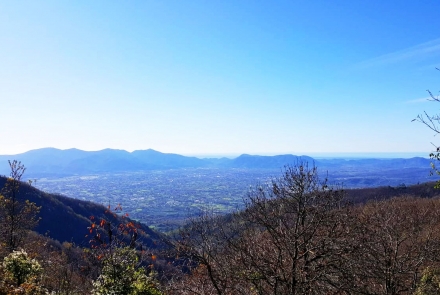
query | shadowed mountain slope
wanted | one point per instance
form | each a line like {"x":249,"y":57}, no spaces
{"x":67,"y":219}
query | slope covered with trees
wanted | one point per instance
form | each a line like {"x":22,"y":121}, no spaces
{"x":36,"y":264}
{"x":298,"y":235}
{"x":67,"y":219}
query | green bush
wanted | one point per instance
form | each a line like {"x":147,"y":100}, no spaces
{"x":429,"y":283}
{"x":21,"y":275}
{"x":121,"y":275}
{"x":20,"y":268}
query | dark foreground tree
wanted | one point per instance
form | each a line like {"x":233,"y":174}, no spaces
{"x":393,"y":242}
{"x":288,"y":240}
{"x":295,"y":228}
{"x":17,"y":217}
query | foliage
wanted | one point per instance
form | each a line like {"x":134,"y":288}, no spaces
{"x":22,"y":274}
{"x":110,"y":232}
{"x":20,"y":268}
{"x":121,"y":275}
{"x":114,"y":242}
{"x":429,"y":283}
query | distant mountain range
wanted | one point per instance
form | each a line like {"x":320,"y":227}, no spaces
{"x":48,"y":162}
{"x":51,"y":161}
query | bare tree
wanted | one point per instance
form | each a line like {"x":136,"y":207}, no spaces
{"x":16,"y":217}
{"x":433,"y":123}
{"x":297,"y":235}
{"x":288,"y":240}
{"x":430,"y":121}
{"x":394,"y":241}
{"x":302,"y":222}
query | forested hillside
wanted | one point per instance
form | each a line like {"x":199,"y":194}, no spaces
{"x":76,"y":247}
{"x":66,"y":220}
{"x":298,"y":235}
{"x":295,"y":235}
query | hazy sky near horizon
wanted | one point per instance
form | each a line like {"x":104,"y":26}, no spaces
{"x":218,"y":77}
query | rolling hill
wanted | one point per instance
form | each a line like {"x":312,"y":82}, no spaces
{"x":67,"y":219}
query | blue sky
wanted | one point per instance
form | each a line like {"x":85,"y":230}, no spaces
{"x":218,"y":77}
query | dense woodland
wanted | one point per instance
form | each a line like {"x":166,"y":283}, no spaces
{"x":295,"y":235}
